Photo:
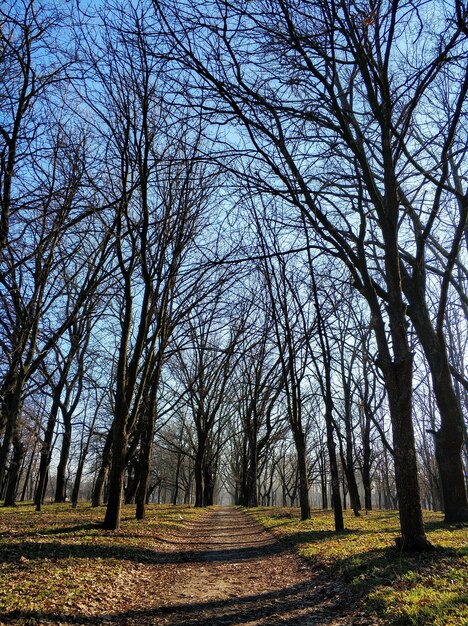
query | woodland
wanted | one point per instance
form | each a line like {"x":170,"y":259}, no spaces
{"x":234,"y":256}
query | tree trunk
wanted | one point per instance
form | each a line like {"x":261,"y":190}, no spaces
{"x":448,"y":456}
{"x":144,"y":465}
{"x":252,"y":471}
{"x":366,"y":459}
{"x":28,"y":472}
{"x":347,"y":456}
{"x":11,"y":407}
{"x":367,"y":485}
{"x":300,"y":444}
{"x":354,"y":498}
{"x":98,"y":491}
{"x":61,"y":486}
{"x":208,"y":486}
{"x":435,"y":489}
{"x":323,"y":480}
{"x":343,"y":489}
{"x":244,"y":469}
{"x":77,"y":481}
{"x":398,"y":371}
{"x":175,"y":495}
{"x":116,"y":473}
{"x":199,"y":478}
{"x":199,"y":502}
{"x":80,"y":468}
{"x":133,"y":480}
{"x":448,"y":439}
{"x":335,"y":478}
{"x":13,"y":474}
{"x":46,"y":452}
{"x":399,"y":389}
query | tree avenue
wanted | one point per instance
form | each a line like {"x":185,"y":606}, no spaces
{"x":334,"y":102}
{"x":234,"y":251}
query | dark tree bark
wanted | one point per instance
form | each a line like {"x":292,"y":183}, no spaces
{"x":449,"y":438}
{"x":61,"y":484}
{"x":11,"y":407}
{"x":14,"y":471}
{"x":85,"y":445}
{"x":117,"y":466}
{"x":46,"y":453}
{"x":32,"y":456}
{"x":366,"y":462}
{"x":251,"y":479}
{"x":199,"y":473}
{"x":97,"y":497}
{"x":347,"y":456}
{"x":323,"y":479}
{"x":299,"y":439}
{"x":146,"y":447}
{"x":208,"y":485}
{"x":175,"y":496}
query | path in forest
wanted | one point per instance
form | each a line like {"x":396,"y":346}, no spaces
{"x":225,"y":569}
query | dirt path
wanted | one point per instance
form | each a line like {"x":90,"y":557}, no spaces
{"x":225,"y":569}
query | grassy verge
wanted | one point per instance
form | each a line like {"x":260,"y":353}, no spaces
{"x":417,"y":590}
{"x":59,"y":562}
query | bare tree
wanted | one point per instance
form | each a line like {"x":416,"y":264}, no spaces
{"x":259,"y":382}
{"x":313,"y":83}
{"x":204,"y":364}
{"x":323,"y":367}
{"x":34,"y":319}
{"x":31,"y":68}
{"x":292,"y":330}
{"x":155,"y":206}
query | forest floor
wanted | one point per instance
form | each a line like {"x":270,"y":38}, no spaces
{"x":219,"y":566}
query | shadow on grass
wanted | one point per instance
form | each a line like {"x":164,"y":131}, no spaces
{"x":312,"y":605}
{"x":318,"y":601}
{"x":383,"y":566}
{"x":53,"y":530}
{"x":441,"y":525}
{"x":330,"y":592}
{"x":32,"y":550}
{"x":65,"y":530}
{"x":312,"y":536}
{"x":316,"y":535}
{"x":366,"y":569}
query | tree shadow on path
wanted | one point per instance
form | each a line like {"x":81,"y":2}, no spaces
{"x":302,"y":598}
{"x":312,"y":605}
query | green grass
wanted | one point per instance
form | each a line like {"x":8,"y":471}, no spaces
{"x":425,"y":589}
{"x":60,"y":562}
